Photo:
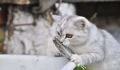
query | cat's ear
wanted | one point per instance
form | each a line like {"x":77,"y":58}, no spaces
{"x":80,"y":24}
{"x":56,"y":17}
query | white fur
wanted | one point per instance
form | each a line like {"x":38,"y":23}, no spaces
{"x":96,"y":48}
{"x":66,"y":9}
{"x":35,"y":40}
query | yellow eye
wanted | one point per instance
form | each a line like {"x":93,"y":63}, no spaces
{"x":69,"y":35}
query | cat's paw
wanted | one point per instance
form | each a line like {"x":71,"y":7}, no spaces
{"x":75,"y":58}
{"x":58,"y":54}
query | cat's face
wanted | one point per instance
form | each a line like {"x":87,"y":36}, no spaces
{"x":72,"y":30}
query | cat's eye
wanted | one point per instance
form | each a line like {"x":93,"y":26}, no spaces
{"x":69,"y":35}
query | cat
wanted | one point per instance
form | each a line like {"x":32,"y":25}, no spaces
{"x":95,"y":48}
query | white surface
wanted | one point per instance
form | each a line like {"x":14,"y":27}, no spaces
{"x":69,"y":66}
{"x":27,"y":62}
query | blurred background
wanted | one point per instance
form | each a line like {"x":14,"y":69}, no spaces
{"x":26,"y":26}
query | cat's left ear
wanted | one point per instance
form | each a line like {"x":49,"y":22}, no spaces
{"x":80,"y":23}
{"x":56,"y":17}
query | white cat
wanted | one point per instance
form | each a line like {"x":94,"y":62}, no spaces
{"x":95,"y":48}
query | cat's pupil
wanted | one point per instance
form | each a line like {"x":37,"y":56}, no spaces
{"x":69,"y":35}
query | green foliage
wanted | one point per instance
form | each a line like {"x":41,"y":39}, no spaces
{"x":81,"y":68}
{"x":94,"y":16}
{"x":2,"y":36}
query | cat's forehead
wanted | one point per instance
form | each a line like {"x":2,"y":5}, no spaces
{"x":66,"y":21}
{"x":70,"y":19}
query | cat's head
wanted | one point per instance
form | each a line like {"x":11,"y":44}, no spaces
{"x":72,"y":30}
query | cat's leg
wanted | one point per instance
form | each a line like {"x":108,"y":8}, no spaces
{"x":85,"y":59}
{"x":58,"y":54}
{"x":75,"y":58}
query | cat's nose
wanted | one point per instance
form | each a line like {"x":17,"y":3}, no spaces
{"x":57,"y":37}
{"x":62,"y":40}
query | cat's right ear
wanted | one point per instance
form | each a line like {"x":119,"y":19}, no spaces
{"x":56,"y":17}
{"x":80,"y":24}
